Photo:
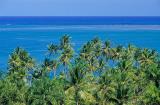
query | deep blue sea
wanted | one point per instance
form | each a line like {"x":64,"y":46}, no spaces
{"x":35,"y":33}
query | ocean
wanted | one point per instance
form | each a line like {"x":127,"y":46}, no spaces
{"x":79,"y":20}
{"x":35,"y":33}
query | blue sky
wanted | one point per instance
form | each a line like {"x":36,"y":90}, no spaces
{"x":79,"y":7}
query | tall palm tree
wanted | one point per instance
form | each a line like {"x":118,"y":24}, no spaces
{"x":45,"y":68}
{"x":107,"y":50}
{"x":91,"y":54}
{"x":45,"y":91}
{"x":54,"y":65}
{"x":46,"y":64}
{"x":87,"y":51}
{"x":20,"y":63}
{"x":77,"y":92}
{"x":117,"y":87}
{"x":64,"y":41}
{"x":52,"y":49}
{"x":66,"y":51}
{"x":147,"y":57}
{"x":66,"y":56}
{"x":11,"y":94}
{"x":97,"y":47}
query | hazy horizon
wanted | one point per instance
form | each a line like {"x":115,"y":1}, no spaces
{"x":79,"y":16}
{"x":79,"y":8}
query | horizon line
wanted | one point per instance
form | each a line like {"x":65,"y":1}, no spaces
{"x":79,"y":16}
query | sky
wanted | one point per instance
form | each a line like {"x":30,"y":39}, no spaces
{"x":79,"y":7}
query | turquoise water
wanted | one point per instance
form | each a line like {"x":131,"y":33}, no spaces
{"x":35,"y":38}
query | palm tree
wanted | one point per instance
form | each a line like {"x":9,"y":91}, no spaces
{"x":64,"y":41}
{"x":11,"y":93}
{"x":45,"y":91}
{"x":78,"y":91}
{"x":52,"y":49}
{"x":117,"y":87}
{"x":133,"y":79}
{"x":66,"y":51}
{"x":66,"y":56}
{"x":97,"y":47}
{"x":54,"y":65}
{"x":91,"y":52}
{"x":87,"y":51}
{"x":101,"y":65}
{"x":117,"y":53}
{"x":107,"y":50}
{"x":46,"y":67}
{"x":147,"y":57}
{"x":20,"y":63}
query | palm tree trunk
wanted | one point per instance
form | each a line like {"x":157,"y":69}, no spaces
{"x":64,"y":64}
{"x":54,"y":73}
{"x":76,"y":97}
{"x":77,"y":103}
{"x":65,"y":69}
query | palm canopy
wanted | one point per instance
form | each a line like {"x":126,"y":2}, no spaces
{"x":98,"y":74}
{"x":52,"y":49}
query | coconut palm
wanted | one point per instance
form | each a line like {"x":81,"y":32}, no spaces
{"x":91,"y":52}
{"x":78,"y":90}
{"x":97,"y":75}
{"x":53,"y":49}
{"x":64,"y":41}
{"x":97,"y":47}
{"x":19,"y":65}
{"x":66,"y":57}
{"x":11,"y":93}
{"x":117,"y":53}
{"x":107,"y":50}
{"x":87,"y":51}
{"x":54,"y":66}
{"x":46,"y":92}
{"x":117,"y":87}
{"x":147,"y":57}
{"x":46,"y":64}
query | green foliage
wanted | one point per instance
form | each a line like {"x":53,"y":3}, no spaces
{"x":45,"y":91}
{"x":98,"y":74}
{"x":11,"y":94}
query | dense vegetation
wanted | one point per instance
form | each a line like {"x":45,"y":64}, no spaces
{"x":98,"y":74}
